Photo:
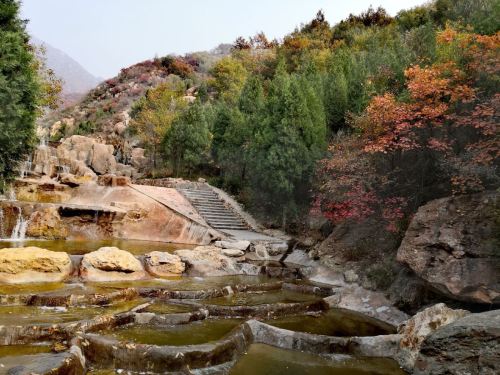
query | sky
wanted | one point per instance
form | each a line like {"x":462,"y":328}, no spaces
{"x":107,"y":35}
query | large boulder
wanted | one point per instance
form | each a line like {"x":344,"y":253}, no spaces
{"x":32,"y":265}
{"x":208,"y":261}
{"x":422,"y":324}
{"x":452,"y":244}
{"x":111,"y":264}
{"x":103,"y":160}
{"x":77,"y":148}
{"x":46,"y":222}
{"x":163,"y":264}
{"x":137,"y":158}
{"x":45,"y":161}
{"x":467,"y":346}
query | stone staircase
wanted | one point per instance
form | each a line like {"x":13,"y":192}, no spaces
{"x":208,"y":204}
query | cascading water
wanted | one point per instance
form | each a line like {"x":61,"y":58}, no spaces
{"x":19,"y":231}
{"x":2,"y":230}
{"x":25,"y":167}
{"x":12,"y":194}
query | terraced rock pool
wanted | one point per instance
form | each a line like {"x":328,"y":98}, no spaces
{"x":238,"y":325}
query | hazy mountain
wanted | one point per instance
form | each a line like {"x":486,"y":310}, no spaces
{"x":77,"y":80}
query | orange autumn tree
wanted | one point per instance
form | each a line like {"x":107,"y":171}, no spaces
{"x":439,"y":137}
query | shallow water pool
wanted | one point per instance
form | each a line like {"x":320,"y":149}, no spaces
{"x":80,"y":247}
{"x":334,"y":322}
{"x":268,"y":360}
{"x":186,"y":334}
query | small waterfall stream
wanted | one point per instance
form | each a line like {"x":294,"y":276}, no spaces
{"x":19,"y":231}
{"x":26,"y":167}
{"x":2,"y":230}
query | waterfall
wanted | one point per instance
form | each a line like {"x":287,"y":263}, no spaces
{"x":19,"y":231}
{"x":1,"y":224}
{"x":26,"y":167}
{"x":12,"y":194}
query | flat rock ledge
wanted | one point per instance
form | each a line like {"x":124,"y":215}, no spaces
{"x":70,"y":362}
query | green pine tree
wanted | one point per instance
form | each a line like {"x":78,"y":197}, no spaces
{"x":187,"y":141}
{"x":18,"y":90}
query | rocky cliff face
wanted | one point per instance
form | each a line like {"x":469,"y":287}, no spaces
{"x":453,"y":245}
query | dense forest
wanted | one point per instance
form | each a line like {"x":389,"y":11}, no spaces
{"x":375,"y":115}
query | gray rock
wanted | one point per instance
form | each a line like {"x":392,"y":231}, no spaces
{"x":418,"y":327}
{"x":470,"y":345}
{"x":163,"y":264}
{"x":234,"y":253}
{"x":350,"y":276}
{"x":239,"y":245}
{"x":451,"y":244}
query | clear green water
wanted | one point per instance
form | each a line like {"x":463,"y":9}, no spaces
{"x":32,"y":288}
{"x":259,"y":298}
{"x":334,"y":322}
{"x":79,"y":247}
{"x":25,"y":315}
{"x":187,"y":334}
{"x":160,"y":307}
{"x":267,"y":360}
{"x":185,"y":283}
{"x":17,"y":350}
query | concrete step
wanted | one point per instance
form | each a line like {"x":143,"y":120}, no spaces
{"x":224,"y":222}
{"x":206,"y":201}
{"x":227,"y":227}
{"x":197,"y":194}
{"x":213,"y":210}
{"x":221,"y":216}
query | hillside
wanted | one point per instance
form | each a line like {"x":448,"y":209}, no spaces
{"x":77,"y":81}
{"x":104,"y":112}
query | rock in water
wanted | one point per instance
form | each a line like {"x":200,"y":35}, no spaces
{"x":162,"y":264}
{"x":422,"y":324}
{"x":33,"y":264}
{"x":208,"y":261}
{"x":111,"y":264}
{"x":233,"y":253}
{"x":451,"y":244}
{"x":470,"y":345}
{"x":238,"y":245}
